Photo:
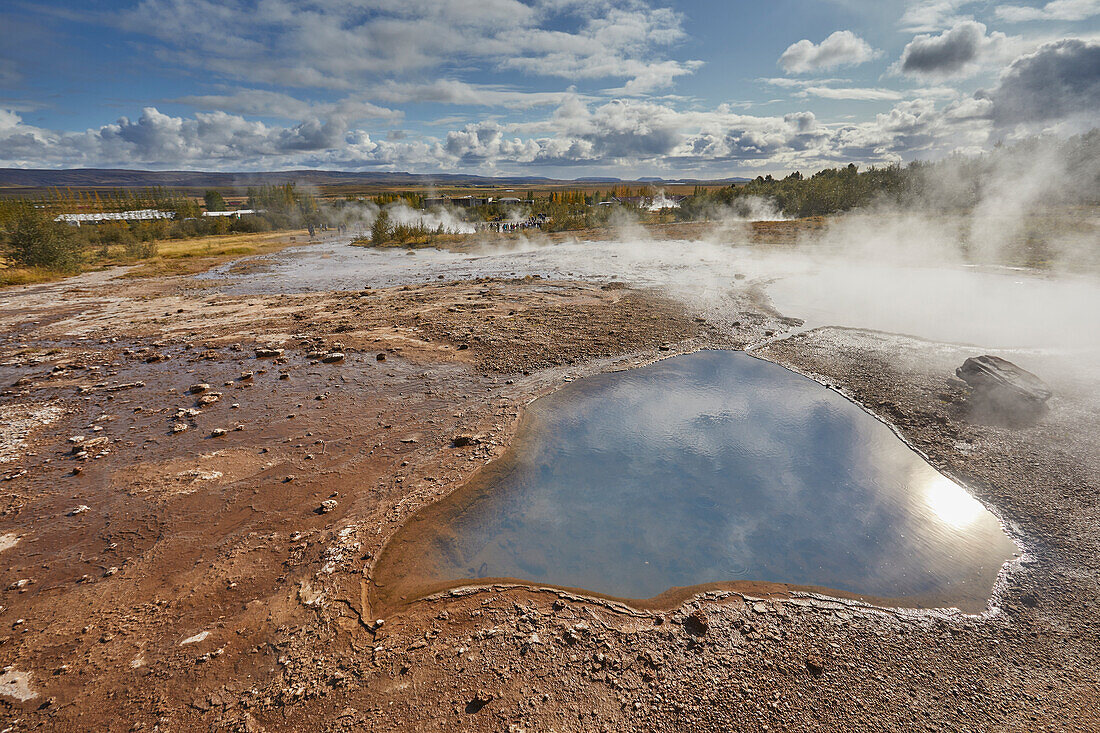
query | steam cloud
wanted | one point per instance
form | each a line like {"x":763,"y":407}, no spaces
{"x":927,"y":267}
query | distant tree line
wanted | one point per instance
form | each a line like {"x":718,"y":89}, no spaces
{"x":955,"y":183}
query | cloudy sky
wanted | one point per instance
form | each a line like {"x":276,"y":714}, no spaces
{"x":565,"y":88}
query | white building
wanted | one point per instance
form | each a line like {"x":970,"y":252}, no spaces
{"x":238,"y":213}
{"x":139,"y":215}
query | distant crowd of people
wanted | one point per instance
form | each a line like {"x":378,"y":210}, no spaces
{"x":512,"y":225}
{"x":338,"y":228}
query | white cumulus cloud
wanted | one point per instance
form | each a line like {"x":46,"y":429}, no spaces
{"x":955,"y":52}
{"x":842,"y":48}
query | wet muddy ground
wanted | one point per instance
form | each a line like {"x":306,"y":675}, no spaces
{"x":173,"y":561}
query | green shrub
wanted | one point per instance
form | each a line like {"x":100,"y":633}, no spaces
{"x":250,"y":225}
{"x":380,"y":230}
{"x":36,"y":240}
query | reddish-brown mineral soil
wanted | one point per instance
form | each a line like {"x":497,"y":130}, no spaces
{"x":177,"y":562}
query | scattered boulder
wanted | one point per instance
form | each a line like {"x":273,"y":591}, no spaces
{"x":209,"y":398}
{"x":83,"y":446}
{"x":815,"y":665}
{"x":332,"y":357}
{"x":461,"y":441}
{"x":199,"y":388}
{"x":78,"y":510}
{"x":380,"y":357}
{"x":217,"y":432}
{"x":268,"y":352}
{"x":327,"y":506}
{"x":1002,"y":391}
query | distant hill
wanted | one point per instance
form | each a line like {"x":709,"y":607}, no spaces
{"x":652,"y":180}
{"x":103,"y":177}
{"x":120,"y":178}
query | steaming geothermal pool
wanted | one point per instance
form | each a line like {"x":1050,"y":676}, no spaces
{"x":713,"y":467}
{"x":999,"y":309}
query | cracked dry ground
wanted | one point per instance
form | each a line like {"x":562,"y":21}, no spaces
{"x":158,"y":577}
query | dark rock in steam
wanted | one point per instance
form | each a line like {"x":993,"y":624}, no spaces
{"x":1002,"y":391}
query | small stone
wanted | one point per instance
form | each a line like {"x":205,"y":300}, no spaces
{"x":268,"y":353}
{"x":332,"y":357}
{"x":78,"y":510}
{"x":199,"y":388}
{"x":461,"y":441}
{"x":209,"y":399}
{"x":326,"y":506}
{"x":381,"y":357}
{"x":110,"y":571}
{"x":179,"y":427}
{"x":480,"y":700}
{"x":245,"y":376}
{"x":218,"y":432}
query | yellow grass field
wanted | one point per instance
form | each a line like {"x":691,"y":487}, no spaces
{"x":173,"y":256}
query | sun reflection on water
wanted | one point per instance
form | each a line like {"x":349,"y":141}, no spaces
{"x":951,"y":502}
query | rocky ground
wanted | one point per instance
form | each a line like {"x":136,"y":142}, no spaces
{"x":196,"y":486}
